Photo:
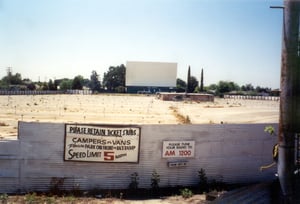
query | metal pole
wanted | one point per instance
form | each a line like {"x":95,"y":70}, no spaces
{"x":289,"y":121}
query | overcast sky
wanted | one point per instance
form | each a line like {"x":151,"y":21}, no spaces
{"x":234,"y":40}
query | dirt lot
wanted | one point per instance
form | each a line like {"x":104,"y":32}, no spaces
{"x":129,"y":109}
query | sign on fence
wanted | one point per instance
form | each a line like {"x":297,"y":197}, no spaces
{"x":181,"y":149}
{"x":95,"y":143}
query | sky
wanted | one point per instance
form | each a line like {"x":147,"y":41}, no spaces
{"x":231,"y":40}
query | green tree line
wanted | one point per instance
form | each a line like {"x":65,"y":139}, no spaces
{"x":114,"y":82}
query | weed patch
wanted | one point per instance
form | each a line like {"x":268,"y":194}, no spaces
{"x":186,"y":193}
{"x":3,"y":198}
{"x":3,"y":124}
{"x":180,"y":118}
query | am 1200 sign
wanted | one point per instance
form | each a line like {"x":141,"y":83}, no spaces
{"x":93,"y":143}
{"x":181,"y":149}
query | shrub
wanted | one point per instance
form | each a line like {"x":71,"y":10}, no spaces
{"x":31,"y":198}
{"x":202,"y":180}
{"x":69,"y":199}
{"x":186,"y":193}
{"x":56,"y":185}
{"x":76,"y":190}
{"x":134,"y":181}
{"x":3,"y":198}
{"x":270,"y":129}
{"x":155,"y":179}
{"x":217,"y":185}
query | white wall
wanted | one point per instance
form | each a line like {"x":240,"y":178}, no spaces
{"x":151,"y":74}
{"x":231,"y":153}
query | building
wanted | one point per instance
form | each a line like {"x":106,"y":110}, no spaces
{"x":186,"y":96}
{"x":150,"y":77}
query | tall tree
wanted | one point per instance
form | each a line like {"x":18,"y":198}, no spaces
{"x":95,"y":84}
{"x":65,"y":84}
{"x":194,"y":83}
{"x":180,"y":85}
{"x":114,"y":78}
{"x":77,"y":82}
{"x":201,"y":81}
{"x":187,"y":89}
{"x":227,"y":86}
{"x":247,"y":87}
{"x":11,"y":79}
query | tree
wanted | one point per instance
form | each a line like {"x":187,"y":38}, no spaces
{"x":226,"y":87}
{"x":114,"y":77}
{"x":223,"y":87}
{"x":259,"y":89}
{"x":201,"y":81}
{"x":16,"y":79}
{"x":188,"y":86}
{"x":31,"y":86}
{"x":11,"y":79}
{"x":45,"y":86}
{"x":51,"y":85}
{"x":194,"y":83}
{"x":247,"y":87}
{"x":65,"y":84}
{"x":56,"y":83}
{"x":213,"y":87}
{"x":180,"y":85}
{"x":77,"y":82}
{"x":86,"y":82}
{"x":95,"y":84}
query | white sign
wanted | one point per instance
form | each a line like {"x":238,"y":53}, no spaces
{"x":101,"y":143}
{"x":177,"y":164}
{"x":182,"y":149}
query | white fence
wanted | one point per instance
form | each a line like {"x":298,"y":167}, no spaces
{"x":248,"y":97}
{"x":46,"y":92}
{"x":227,"y":152}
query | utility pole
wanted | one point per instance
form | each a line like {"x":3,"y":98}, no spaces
{"x":9,"y":71}
{"x":289,"y":119}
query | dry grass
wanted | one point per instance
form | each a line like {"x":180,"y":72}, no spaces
{"x":180,"y":118}
{"x":214,"y":106}
{"x":3,"y":124}
{"x":67,"y":199}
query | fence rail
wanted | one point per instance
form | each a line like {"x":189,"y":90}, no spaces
{"x":247,"y":97}
{"x":46,"y":92}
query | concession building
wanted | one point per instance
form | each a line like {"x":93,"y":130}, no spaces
{"x":150,"y":77}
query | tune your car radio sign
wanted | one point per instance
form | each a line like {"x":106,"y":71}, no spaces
{"x":95,"y":143}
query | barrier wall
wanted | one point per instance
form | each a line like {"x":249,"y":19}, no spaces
{"x":228,"y":153}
